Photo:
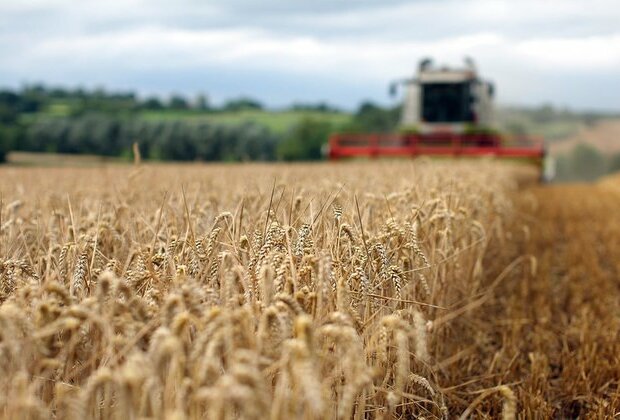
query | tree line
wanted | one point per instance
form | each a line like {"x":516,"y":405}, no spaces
{"x":35,"y":98}
{"x":107,"y":135}
{"x":107,"y":124}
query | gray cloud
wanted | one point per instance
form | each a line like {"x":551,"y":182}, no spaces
{"x":284,"y":50}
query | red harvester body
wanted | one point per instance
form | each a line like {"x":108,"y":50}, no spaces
{"x":445,"y":112}
{"x":435,"y":144}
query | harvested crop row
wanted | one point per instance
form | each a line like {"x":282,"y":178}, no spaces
{"x":312,"y":291}
{"x":562,"y":346}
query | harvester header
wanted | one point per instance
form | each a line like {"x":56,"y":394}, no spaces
{"x":446,"y":112}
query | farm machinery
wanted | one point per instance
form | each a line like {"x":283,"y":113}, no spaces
{"x":445,"y":112}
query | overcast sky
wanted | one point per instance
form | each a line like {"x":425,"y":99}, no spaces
{"x":340,"y":51}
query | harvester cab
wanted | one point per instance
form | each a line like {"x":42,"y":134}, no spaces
{"x":445,"y":99}
{"x":445,"y":112}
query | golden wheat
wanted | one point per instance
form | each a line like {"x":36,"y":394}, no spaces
{"x":261,"y":291}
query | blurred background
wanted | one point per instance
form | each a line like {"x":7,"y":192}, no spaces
{"x":237,"y":80}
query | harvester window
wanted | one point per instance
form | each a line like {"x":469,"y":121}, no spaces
{"x":447,"y":102}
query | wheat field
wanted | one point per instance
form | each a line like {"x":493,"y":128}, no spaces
{"x":318,"y":291}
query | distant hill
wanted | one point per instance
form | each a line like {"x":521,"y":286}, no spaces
{"x":552,"y":124}
{"x":603,"y":135}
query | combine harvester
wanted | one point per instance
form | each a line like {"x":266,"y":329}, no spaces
{"x":446,"y":112}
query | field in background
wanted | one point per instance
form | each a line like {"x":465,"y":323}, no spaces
{"x":603,"y":135}
{"x":368,"y":289}
{"x":552,"y":125}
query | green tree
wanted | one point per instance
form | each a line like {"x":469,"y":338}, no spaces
{"x":305,"y":140}
{"x":242,"y":104}
{"x":317,"y":107}
{"x":152,"y":104}
{"x":9,"y":107}
{"x":202,"y":102}
{"x":8,"y":138}
{"x":3,"y":145}
{"x":374,"y":118}
{"x":614,"y":163}
{"x":178,"y":102}
{"x":586,"y":163}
